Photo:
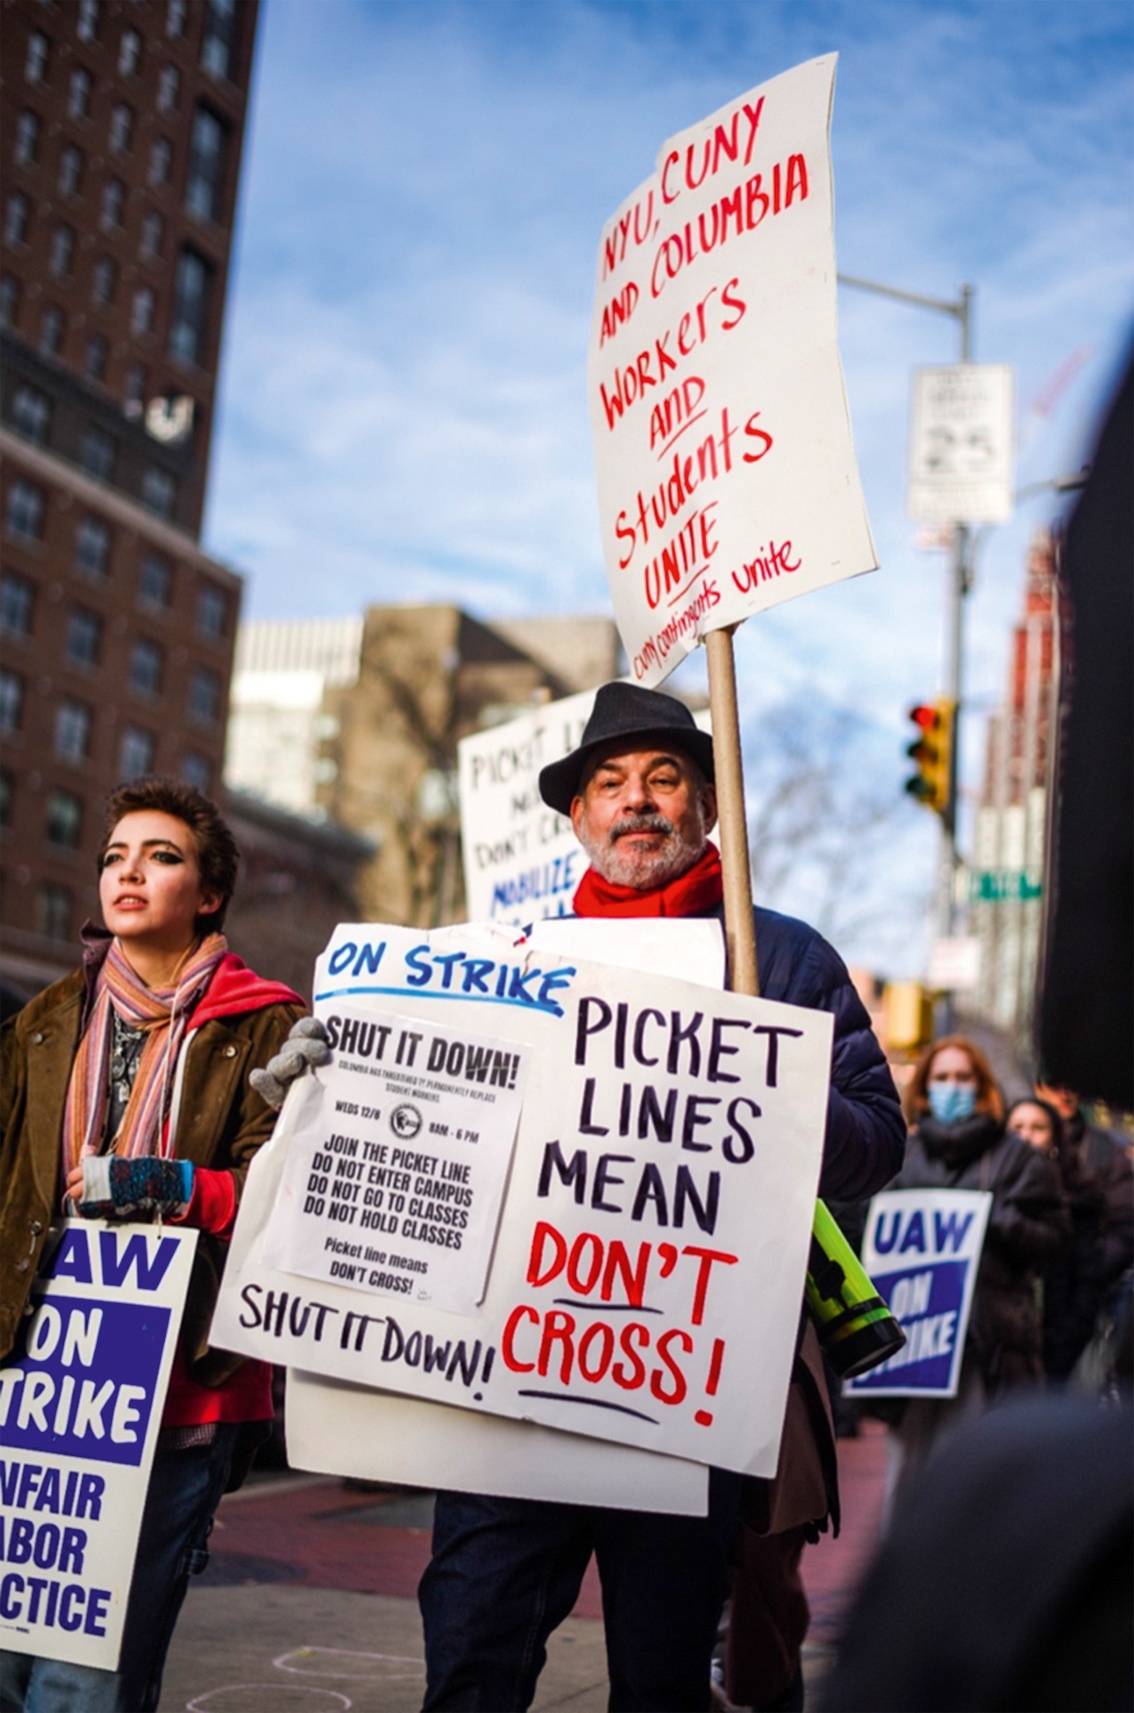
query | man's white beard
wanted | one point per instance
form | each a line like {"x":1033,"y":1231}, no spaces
{"x":645,"y":870}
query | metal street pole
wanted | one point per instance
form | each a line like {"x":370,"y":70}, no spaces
{"x":959,"y":580}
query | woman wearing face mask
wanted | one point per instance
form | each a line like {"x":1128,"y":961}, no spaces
{"x":959,"y":1142}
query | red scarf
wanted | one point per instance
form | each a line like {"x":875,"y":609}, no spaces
{"x":697,"y":890}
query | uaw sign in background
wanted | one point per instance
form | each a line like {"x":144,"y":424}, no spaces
{"x":650,"y":1254}
{"x":726,"y":469}
{"x":922,"y":1249}
{"x":80,"y":1405}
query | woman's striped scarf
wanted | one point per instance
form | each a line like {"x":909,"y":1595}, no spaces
{"x":164,"y":1014}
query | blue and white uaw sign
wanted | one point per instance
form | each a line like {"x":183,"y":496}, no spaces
{"x":80,"y":1406}
{"x":922,"y":1249}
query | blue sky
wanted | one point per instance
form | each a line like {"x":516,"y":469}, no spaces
{"x":403,"y":409}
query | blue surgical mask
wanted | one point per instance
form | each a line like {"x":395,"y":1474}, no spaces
{"x":951,"y":1102}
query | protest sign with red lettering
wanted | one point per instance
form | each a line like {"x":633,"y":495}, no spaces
{"x":81,"y":1398}
{"x":726,"y":469}
{"x":653,"y":1241}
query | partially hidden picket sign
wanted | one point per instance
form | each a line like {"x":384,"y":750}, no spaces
{"x":726,"y":471}
{"x":80,"y":1405}
{"x":522,"y":859}
{"x":653,"y":1240}
{"x":922,"y":1249}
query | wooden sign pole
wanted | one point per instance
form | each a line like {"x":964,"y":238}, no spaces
{"x":740,"y":930}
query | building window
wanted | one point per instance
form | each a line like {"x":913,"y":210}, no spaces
{"x":87,"y":27}
{"x":153,"y":231}
{"x":70,"y":170}
{"x":61,"y":251}
{"x":84,"y":637}
{"x":191,"y":285}
{"x":219,"y":35}
{"x":26,"y":506}
{"x":206,"y":165}
{"x":161,"y":155}
{"x":31,"y":413}
{"x":155,"y":582}
{"x":51,"y":330}
{"x":7,"y":794}
{"x":92,"y":547}
{"x":135,"y":753}
{"x":129,"y":53}
{"x":135,"y":390}
{"x":158,"y":491}
{"x":72,"y":730}
{"x":16,"y":213}
{"x":9,"y":300}
{"x":35,"y":61}
{"x":64,"y":819}
{"x":102,"y":282}
{"x":204,"y":697}
{"x":27,"y":138}
{"x":212,"y":611}
{"x":142,"y":311}
{"x":95,"y":359}
{"x":11,"y":701}
{"x":17,"y":604}
{"x":54,"y":911}
{"x":121,"y":127}
{"x":146,"y":664}
{"x":175,"y":18}
{"x":96,"y":454}
{"x":195,"y":770}
{"x":79,"y":94}
{"x":168,"y":89}
{"x":113,"y":200}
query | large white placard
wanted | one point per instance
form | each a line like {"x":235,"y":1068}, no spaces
{"x":647,"y":1277}
{"x":922,"y":1249}
{"x":395,"y":1185}
{"x":80,"y":1406}
{"x":726,"y":470}
{"x":522,"y":859}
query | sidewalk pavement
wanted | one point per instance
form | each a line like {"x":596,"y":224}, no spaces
{"x":308,"y":1602}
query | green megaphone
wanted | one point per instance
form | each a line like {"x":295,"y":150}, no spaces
{"x":855,"y":1327}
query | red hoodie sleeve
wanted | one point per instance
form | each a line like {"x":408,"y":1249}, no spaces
{"x":212,"y":1206}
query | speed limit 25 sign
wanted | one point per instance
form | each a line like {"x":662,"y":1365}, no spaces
{"x":960,"y":462}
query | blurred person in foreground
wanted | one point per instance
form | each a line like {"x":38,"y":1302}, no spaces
{"x":959,"y":1142}
{"x":124,"y":1095}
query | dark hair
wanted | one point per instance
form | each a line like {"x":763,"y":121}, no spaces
{"x":1045,"y":1106}
{"x":988,"y":1097}
{"x":217,"y":855}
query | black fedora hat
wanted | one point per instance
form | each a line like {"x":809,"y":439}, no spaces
{"x":638,"y":716}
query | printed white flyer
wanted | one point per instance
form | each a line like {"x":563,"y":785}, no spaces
{"x":395,"y":1182}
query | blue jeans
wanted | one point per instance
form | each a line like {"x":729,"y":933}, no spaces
{"x":181,"y":1500}
{"x":506,"y":1572}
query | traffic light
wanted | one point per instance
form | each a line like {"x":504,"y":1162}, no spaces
{"x":932,"y":753}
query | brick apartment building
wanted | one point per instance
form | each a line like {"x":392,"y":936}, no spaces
{"x":120,"y":142}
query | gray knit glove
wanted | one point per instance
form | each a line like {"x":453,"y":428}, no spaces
{"x":305,"y":1047}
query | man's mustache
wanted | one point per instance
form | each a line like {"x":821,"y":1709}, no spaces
{"x":640,"y":824}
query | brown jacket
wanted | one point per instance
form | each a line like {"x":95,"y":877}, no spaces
{"x":222,"y":1124}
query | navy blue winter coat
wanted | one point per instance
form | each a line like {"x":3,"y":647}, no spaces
{"x":866,"y":1133}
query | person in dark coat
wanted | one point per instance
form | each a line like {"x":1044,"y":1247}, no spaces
{"x":505,"y":1572}
{"x":959,"y":1142}
{"x":1092,"y":1155}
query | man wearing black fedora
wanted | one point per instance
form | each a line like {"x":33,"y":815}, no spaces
{"x":505,"y":1572}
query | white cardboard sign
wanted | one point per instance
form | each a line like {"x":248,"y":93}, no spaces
{"x":394,"y":1186}
{"x":922,"y":1249}
{"x":522,"y":860}
{"x":653,"y":1245}
{"x":80,"y":1406}
{"x":726,"y":471}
